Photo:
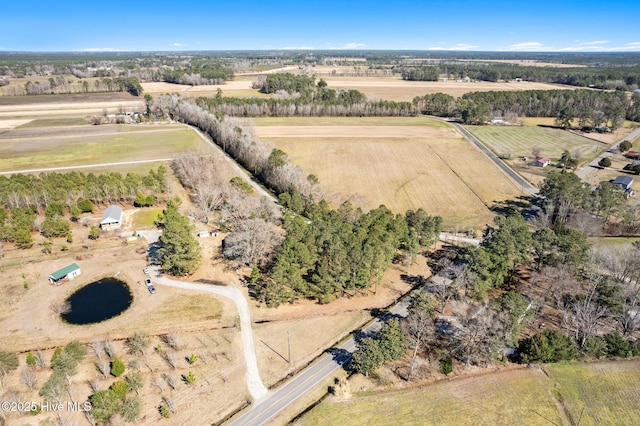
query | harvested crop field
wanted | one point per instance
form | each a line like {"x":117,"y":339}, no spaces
{"x":396,"y":89}
{"x":418,"y":163}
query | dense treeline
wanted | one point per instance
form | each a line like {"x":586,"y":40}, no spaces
{"x":620,"y":78}
{"x":38,"y":191}
{"x":24,"y":199}
{"x":198,"y":74}
{"x":271,"y":166}
{"x":331,"y":253}
{"x":342,"y":105}
{"x":420,"y":74}
{"x":66,"y":85}
{"x":591,"y":108}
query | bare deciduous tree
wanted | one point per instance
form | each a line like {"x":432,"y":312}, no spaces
{"x":253,"y":243}
{"x":172,"y":339}
{"x":28,"y":377}
{"x":421,"y":333}
{"x":40,"y":359}
{"x":60,"y":308}
{"x":103,"y":367}
{"x":109,"y":348}
{"x":480,"y":335}
{"x":170,"y":358}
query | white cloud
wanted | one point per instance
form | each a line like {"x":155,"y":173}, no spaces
{"x":586,"y":46}
{"x":459,"y":46}
{"x":177,"y":44}
{"x":298,"y":48}
{"x":100,"y":49}
{"x":634,"y":46}
{"x":529,"y":45}
{"x":348,"y":46}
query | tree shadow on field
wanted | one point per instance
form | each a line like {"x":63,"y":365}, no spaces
{"x":212,"y":282}
{"x":518,"y":205}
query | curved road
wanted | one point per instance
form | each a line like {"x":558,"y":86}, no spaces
{"x":254,"y":383}
{"x":508,"y":170}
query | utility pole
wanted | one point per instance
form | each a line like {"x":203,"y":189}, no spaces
{"x":289,"y":345}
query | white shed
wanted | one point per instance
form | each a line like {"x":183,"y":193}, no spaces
{"x":111,"y":218}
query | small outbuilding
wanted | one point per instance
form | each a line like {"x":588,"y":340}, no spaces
{"x":67,"y":273}
{"x":623,"y":182}
{"x":111,"y":218}
{"x":541,"y":162}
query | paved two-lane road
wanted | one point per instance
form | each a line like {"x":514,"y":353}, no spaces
{"x":281,"y":398}
{"x":594,"y":165}
{"x":526,"y":186}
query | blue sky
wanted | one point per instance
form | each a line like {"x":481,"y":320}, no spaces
{"x":542,"y":26}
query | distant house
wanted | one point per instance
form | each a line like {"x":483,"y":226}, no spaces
{"x":623,"y":182}
{"x":111,"y":218}
{"x":65,"y":274}
{"x":541,"y":162}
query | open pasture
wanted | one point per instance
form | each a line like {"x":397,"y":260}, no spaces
{"x":34,"y":148}
{"x":426,"y":165}
{"x":506,"y":398}
{"x":606,"y":391}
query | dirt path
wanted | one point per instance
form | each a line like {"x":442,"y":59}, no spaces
{"x":254,"y":382}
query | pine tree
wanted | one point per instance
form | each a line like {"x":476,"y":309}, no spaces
{"x":179,"y":252}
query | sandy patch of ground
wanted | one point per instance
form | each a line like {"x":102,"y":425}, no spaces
{"x":10,"y":124}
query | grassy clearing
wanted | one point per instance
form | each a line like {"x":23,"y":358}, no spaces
{"x":25,"y":153}
{"x":191,"y":307}
{"x":515,"y":397}
{"x":608,"y":392}
{"x":613,"y":241}
{"x":145,"y":218}
{"x":405,"y":167}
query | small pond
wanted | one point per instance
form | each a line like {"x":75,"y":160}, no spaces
{"x":98,"y":301}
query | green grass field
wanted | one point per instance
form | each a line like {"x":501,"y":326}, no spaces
{"x":53,"y":122}
{"x":608,"y":392}
{"x":520,"y":141}
{"x":70,"y":150}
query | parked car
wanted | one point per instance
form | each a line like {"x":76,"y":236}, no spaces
{"x":146,"y":270}
{"x":147,"y":281}
{"x":152,"y":289}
